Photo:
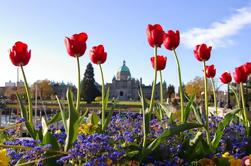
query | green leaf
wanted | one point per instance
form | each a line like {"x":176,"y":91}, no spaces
{"x":221,"y":127}
{"x":48,"y":138}
{"x":93,"y":119}
{"x":107,"y":98}
{"x":197,"y":114}
{"x":131,"y":154}
{"x":168,"y":133}
{"x":146,"y":115}
{"x":188,"y":108}
{"x":142,"y":98}
{"x":57,"y":117}
{"x":44,"y":126}
{"x":166,"y":110}
{"x":86,"y":112}
{"x":195,"y":139}
{"x":28,"y":125}
{"x":72,"y":122}
{"x":196,"y":148}
{"x":146,"y":121}
{"x":20,"y":161}
{"x":64,"y":114}
{"x":108,"y":119}
{"x":158,"y":113}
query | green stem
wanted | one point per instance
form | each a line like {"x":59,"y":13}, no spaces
{"x":161,"y":88}
{"x":78,"y":92}
{"x":28,"y":96}
{"x":215,"y":99}
{"x":155,"y":79}
{"x":206,"y":102}
{"x":236,"y":95}
{"x":181,"y":88}
{"x":244,"y":108}
{"x":161,"y":94}
{"x":103,"y":98}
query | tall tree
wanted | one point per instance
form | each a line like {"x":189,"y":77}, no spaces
{"x":196,"y":86}
{"x":89,"y":90}
{"x":170,"y":91}
{"x":44,"y":89}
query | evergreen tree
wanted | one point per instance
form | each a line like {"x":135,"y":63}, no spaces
{"x":89,"y":91}
{"x":170,"y":91}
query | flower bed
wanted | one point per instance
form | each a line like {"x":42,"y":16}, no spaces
{"x":151,"y":137}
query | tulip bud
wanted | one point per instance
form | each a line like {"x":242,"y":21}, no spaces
{"x":171,"y":39}
{"x":210,"y":71}
{"x":226,"y":78}
{"x":161,"y":62}
{"x":19,"y":54}
{"x":155,"y":35}
{"x":202,"y":52}
{"x":76,"y":44}
{"x":98,"y":54}
{"x":240,"y":75}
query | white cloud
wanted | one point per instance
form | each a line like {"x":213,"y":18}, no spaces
{"x":219,"y":33}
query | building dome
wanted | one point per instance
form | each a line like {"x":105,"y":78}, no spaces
{"x":123,"y":72}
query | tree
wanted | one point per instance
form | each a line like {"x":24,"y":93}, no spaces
{"x":170,"y":91}
{"x":196,"y":86}
{"x":44,"y":89}
{"x":89,"y":90}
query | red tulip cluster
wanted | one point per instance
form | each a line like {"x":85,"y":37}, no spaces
{"x":76,"y":46}
{"x":156,"y":37}
{"x":240,"y":74}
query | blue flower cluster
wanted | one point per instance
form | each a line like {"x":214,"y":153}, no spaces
{"x":96,"y":149}
{"x":31,"y":150}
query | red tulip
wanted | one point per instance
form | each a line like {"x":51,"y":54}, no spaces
{"x":76,"y":44}
{"x":19,"y":54}
{"x":210,"y":71}
{"x":202,"y":52}
{"x":247,"y":68}
{"x":161,"y":62}
{"x":240,"y":75}
{"x":155,"y":35}
{"x":171,"y":39}
{"x":226,"y":78}
{"x":98,"y":54}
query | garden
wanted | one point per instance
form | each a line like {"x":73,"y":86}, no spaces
{"x":153,"y":136}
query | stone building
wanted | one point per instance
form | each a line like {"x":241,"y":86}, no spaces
{"x":124,"y":87}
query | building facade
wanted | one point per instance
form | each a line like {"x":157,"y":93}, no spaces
{"x":124,"y":87}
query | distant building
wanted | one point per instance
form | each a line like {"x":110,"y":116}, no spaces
{"x":124,"y":87}
{"x":60,"y":89}
{"x":10,"y":84}
{"x":20,"y":83}
{"x":13,"y":84}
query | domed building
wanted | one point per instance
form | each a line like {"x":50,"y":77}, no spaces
{"x":124,"y":87}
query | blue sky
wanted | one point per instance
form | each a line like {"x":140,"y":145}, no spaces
{"x":121,"y":27}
